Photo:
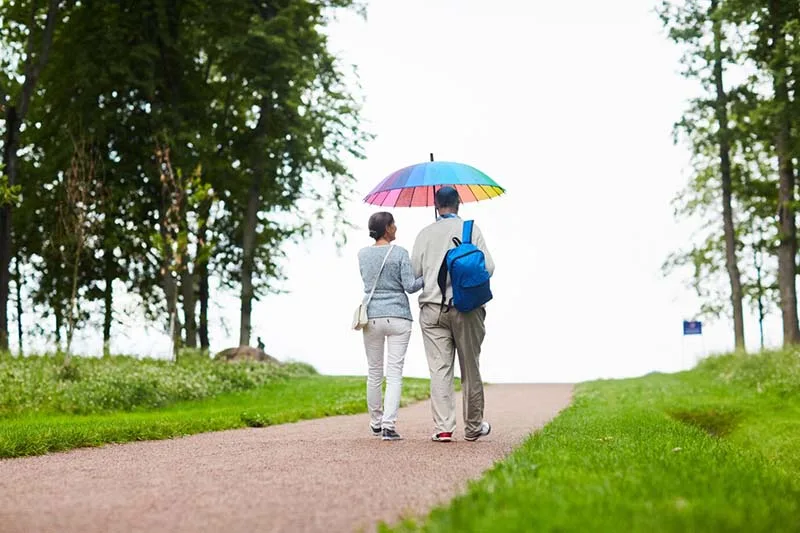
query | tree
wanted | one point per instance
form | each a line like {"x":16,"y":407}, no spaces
{"x":215,"y":128}
{"x":707,"y":126}
{"x":724,"y":141}
{"x":16,"y":101}
{"x":779,"y":13}
{"x":78,"y":219}
{"x":772,"y":27}
{"x":303,"y":120}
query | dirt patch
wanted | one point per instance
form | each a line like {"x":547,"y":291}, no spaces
{"x":245,"y":353}
{"x":716,"y":421}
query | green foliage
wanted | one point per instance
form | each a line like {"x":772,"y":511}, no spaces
{"x":713,"y":449}
{"x":245,"y":97}
{"x":9,"y":194}
{"x":775,"y":372}
{"x":749,"y":70}
{"x":90,"y":385}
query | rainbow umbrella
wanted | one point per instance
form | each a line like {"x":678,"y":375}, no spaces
{"x":415,"y":185}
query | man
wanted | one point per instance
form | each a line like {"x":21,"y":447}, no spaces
{"x":445,"y":330}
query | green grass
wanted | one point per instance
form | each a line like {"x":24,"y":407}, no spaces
{"x":713,"y":449}
{"x":97,"y":385}
{"x":276,"y":402}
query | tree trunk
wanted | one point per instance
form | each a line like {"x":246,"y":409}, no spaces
{"x":59,"y":316}
{"x":724,"y":137}
{"x":15,"y":114}
{"x":248,"y":248}
{"x":251,"y":221}
{"x":204,"y":293}
{"x":201,"y":267}
{"x":189,"y":305}
{"x":10,"y":146}
{"x":108,"y":300}
{"x":760,"y":292}
{"x":172,"y":208}
{"x":170,"y":286}
{"x":171,"y":293}
{"x":18,"y":287}
{"x":73,"y":300}
{"x":787,"y":249}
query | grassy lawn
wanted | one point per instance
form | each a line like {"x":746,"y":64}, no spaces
{"x":45,"y":408}
{"x":89,"y":385}
{"x":276,"y":403}
{"x":713,"y":449}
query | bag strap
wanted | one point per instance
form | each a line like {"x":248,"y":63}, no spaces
{"x":442,"y":280}
{"x":466,"y":235}
{"x":443,"y":271}
{"x":374,"y":285}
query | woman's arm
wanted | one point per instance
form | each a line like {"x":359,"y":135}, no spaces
{"x":411,"y":284}
{"x":361,"y":266}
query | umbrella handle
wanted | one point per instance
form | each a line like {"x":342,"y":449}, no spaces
{"x":435,"y":213}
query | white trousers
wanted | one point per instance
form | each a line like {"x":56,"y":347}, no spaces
{"x":392,"y":334}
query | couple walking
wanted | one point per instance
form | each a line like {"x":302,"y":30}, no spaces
{"x":454,"y":278}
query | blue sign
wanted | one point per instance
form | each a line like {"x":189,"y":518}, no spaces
{"x":692,"y":327}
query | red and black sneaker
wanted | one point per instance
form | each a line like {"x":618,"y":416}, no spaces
{"x":444,"y":436}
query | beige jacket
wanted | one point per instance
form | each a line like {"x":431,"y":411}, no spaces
{"x":431,"y":245}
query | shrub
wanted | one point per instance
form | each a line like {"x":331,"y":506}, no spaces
{"x":122,"y":383}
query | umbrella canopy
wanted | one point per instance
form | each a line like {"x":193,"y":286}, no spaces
{"x":415,"y":185}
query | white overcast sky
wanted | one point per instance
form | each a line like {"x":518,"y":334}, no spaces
{"x":569,"y":105}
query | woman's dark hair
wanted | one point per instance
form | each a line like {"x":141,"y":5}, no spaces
{"x":378,"y":223}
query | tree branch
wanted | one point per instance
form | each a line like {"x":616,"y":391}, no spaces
{"x":33,"y":69}
{"x":266,"y":11}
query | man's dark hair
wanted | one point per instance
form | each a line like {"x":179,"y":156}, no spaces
{"x":447,"y":197}
{"x":378,"y":223}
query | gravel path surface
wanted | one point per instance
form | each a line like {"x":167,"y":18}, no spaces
{"x":317,"y":475}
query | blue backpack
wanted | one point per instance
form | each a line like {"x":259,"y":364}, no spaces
{"x":466,"y":265}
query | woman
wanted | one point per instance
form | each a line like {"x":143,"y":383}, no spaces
{"x":387,"y":268}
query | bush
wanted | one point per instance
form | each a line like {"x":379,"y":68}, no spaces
{"x":121,"y":383}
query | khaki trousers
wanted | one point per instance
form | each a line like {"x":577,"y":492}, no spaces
{"x":444,"y":334}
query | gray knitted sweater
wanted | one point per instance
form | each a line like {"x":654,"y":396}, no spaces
{"x":397,"y":278}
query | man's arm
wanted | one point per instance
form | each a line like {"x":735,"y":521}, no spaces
{"x":416,"y":257}
{"x":480,"y":242}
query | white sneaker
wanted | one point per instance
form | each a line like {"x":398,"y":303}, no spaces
{"x":486,"y":428}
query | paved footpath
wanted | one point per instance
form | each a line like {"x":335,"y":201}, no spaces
{"x":317,"y":475}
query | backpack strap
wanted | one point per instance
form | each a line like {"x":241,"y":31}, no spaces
{"x":466,"y":236}
{"x":442,"y":280}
